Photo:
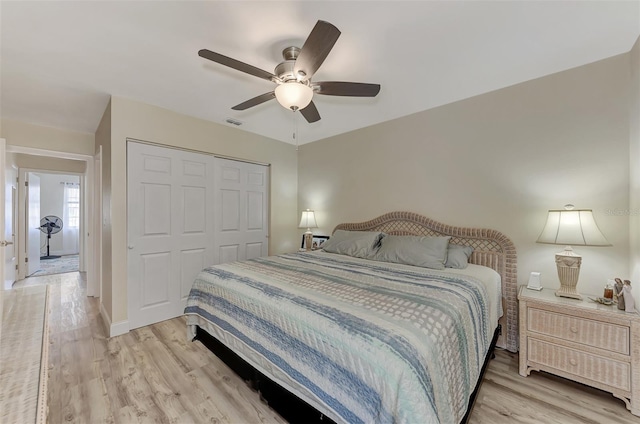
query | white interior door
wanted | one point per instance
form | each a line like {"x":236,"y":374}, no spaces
{"x":170,"y":226}
{"x":33,"y":223}
{"x":10,"y":195}
{"x":242,"y":198}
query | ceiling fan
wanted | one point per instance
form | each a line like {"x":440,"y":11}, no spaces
{"x":295,"y":89}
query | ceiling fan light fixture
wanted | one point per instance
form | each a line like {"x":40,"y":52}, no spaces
{"x":294,"y":95}
{"x":294,"y":75}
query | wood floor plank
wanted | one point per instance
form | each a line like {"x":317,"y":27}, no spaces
{"x":185,"y":353}
{"x":131,"y":384}
{"x":164,"y":383}
{"x":234,"y":400}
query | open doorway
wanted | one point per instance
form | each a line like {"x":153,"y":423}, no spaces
{"x":53,"y":236}
{"x":39,"y":161}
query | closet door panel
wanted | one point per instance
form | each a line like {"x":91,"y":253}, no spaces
{"x":241,"y":193}
{"x":170,"y":228}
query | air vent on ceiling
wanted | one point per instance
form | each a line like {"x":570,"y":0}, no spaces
{"x":234,"y":122}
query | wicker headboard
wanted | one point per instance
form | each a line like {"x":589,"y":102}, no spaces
{"x":490,"y":248}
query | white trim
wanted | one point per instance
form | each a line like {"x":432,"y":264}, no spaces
{"x":67,"y":253}
{"x":201,"y":152}
{"x":116,"y":329}
{"x":43,"y":152}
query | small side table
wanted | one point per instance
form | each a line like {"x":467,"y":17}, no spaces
{"x":584,"y":341}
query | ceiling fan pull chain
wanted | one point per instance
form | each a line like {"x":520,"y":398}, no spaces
{"x":295,"y":128}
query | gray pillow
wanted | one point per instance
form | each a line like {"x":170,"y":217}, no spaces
{"x":425,"y":252}
{"x":458,"y":256}
{"x":359,"y":244}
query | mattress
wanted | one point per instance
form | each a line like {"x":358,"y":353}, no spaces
{"x":361,"y":341}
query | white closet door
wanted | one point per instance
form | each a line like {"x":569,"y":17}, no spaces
{"x":170,"y":227}
{"x":242,"y":198}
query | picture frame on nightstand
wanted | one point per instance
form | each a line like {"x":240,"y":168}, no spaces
{"x":316,"y":242}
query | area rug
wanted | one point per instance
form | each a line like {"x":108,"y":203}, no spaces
{"x":24,"y":355}
{"x":67,"y":263}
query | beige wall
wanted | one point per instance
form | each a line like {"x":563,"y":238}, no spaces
{"x":130,"y":119}
{"x":634,"y":166}
{"x":46,"y":138}
{"x":499,"y":160}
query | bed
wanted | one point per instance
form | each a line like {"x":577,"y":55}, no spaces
{"x":363,"y":340}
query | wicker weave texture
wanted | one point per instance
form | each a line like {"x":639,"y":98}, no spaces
{"x":491,"y":248}
{"x":616,"y":374}
{"x":580,"y":340}
{"x":589,"y":332}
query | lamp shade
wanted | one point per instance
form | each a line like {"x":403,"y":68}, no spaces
{"x":575,"y":227}
{"x":294,"y":95}
{"x":308,"y":220}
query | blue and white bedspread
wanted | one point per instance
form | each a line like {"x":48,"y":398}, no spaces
{"x":359,"y":340}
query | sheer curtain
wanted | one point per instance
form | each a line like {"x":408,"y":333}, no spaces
{"x":71,"y":219}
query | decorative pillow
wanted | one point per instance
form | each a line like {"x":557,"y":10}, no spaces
{"x":359,"y":244}
{"x":425,"y":252}
{"x":458,"y":256}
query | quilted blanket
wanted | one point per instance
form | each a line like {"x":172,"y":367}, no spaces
{"x":362,"y":341}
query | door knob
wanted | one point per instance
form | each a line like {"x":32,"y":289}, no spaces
{"x":5,"y":243}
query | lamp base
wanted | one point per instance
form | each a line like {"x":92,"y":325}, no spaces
{"x":308,"y":240}
{"x":568,"y":264}
{"x":573,"y":294}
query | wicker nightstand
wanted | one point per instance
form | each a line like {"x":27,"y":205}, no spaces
{"x":581,"y":340}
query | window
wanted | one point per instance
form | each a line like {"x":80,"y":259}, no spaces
{"x":72,"y":194}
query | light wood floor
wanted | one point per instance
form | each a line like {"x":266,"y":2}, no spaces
{"x":154,"y":375}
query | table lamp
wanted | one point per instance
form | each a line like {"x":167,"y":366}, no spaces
{"x":571,"y":227}
{"x":308,"y":221}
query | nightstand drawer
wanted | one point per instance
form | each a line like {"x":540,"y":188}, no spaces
{"x":593,"y":367}
{"x":580,"y":330}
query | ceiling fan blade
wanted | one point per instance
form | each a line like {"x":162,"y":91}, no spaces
{"x":237,"y":65}
{"x":310,"y":113}
{"x":354,"y":89}
{"x":316,"y":49}
{"x":255,"y":101}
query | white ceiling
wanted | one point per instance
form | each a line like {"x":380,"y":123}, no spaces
{"x":60,"y":61}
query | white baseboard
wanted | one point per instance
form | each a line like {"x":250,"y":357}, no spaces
{"x":115,"y":329}
{"x":62,"y":252}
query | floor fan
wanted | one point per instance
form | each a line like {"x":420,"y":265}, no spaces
{"x":50,"y":224}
